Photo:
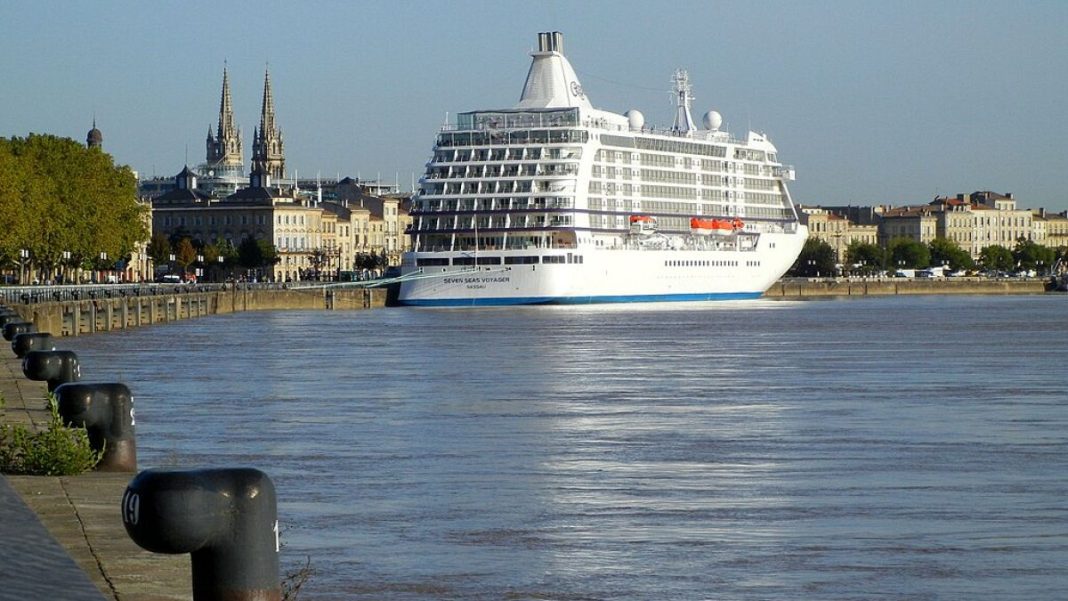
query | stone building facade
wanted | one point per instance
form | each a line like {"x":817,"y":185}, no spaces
{"x":837,"y":231}
{"x":1055,"y":226}
{"x":313,"y":238}
{"x":973,"y":221}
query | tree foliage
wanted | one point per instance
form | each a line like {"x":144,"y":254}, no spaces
{"x":996,"y":258}
{"x":870,"y":257}
{"x":185,"y":253}
{"x":159,"y":248}
{"x":816,"y":259}
{"x":1033,"y":257}
{"x":254,"y":254}
{"x":370,"y":261}
{"x":57,"y":196}
{"x":908,"y":253}
{"x":947,"y":252}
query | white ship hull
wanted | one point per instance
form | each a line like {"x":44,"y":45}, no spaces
{"x":604,"y":276}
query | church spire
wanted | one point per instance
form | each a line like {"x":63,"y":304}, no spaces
{"x":267,"y":147}
{"x":267,"y":114}
{"x":226,"y":106}
{"x":224,"y":150}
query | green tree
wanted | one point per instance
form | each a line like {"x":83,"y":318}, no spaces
{"x":268,"y":252}
{"x":908,"y":253}
{"x":211,"y":253}
{"x":947,"y":252}
{"x":248,"y":254}
{"x":256,"y":254}
{"x":816,"y":259}
{"x":226,"y":250}
{"x":57,"y":196}
{"x":159,"y":248}
{"x":185,"y":253}
{"x":996,"y":258}
{"x":1031,"y":256}
{"x":370,"y":261}
{"x":219,"y":257}
{"x":870,"y":257}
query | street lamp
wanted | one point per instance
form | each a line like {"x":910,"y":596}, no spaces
{"x":66,"y":265}
{"x":24,"y":260}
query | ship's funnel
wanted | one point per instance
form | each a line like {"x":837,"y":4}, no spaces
{"x":551,"y":42}
{"x":551,"y":82}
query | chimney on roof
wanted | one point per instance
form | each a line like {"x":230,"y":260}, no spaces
{"x":1008,"y":195}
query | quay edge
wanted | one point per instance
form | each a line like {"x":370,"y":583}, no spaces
{"x":794,"y":288}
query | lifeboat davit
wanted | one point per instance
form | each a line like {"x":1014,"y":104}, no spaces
{"x":708,"y":227}
{"x":642,"y":224}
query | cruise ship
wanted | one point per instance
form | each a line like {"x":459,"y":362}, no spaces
{"x":556,"y":202}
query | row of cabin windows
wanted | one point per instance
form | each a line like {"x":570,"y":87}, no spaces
{"x":509,"y":154}
{"x":491,"y":260}
{"x":701,"y":263}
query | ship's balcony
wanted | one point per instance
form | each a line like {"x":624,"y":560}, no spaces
{"x":786,"y":172}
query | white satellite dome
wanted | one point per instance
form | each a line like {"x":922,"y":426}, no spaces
{"x":636,"y":118}
{"x":712,"y":120}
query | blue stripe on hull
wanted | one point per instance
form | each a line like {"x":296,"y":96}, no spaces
{"x":577,"y":300}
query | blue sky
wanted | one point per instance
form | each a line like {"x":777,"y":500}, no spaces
{"x":873,"y":102}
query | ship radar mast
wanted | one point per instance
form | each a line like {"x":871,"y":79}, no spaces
{"x":683,"y":98}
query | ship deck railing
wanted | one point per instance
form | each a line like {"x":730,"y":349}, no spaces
{"x":605,"y":125}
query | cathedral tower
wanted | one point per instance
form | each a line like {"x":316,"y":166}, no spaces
{"x":94,"y":139}
{"x":224,"y":148}
{"x":267,"y":147}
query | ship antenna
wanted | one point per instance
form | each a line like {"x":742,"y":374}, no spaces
{"x":683,"y":98}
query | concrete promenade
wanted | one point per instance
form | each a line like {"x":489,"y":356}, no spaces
{"x":62,"y":537}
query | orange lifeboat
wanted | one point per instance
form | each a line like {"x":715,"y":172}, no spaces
{"x":642,"y":224}
{"x":708,"y":227}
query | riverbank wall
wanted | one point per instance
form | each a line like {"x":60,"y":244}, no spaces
{"x":74,"y":317}
{"x":795,"y":288}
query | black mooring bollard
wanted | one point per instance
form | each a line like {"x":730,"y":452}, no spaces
{"x":106,"y":412}
{"x":54,"y":367}
{"x":226,"y":518}
{"x":34,"y":341}
{"x":11,"y":329}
